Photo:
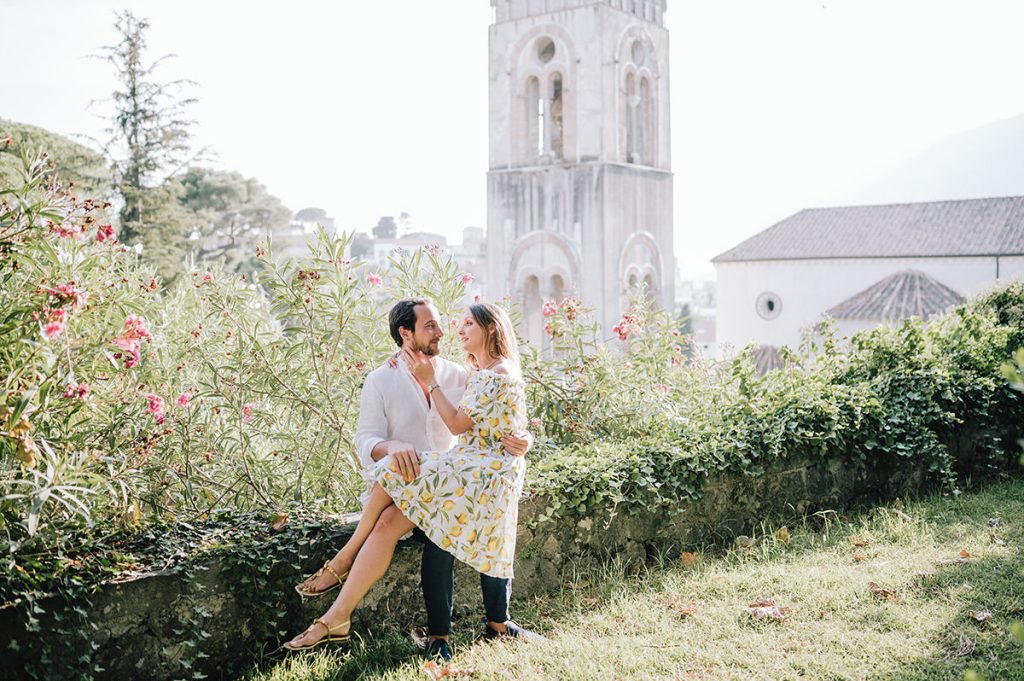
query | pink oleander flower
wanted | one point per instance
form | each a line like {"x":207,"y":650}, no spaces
{"x":133,"y":357}
{"x":549,"y":308}
{"x":53,"y":330}
{"x":247,"y":413}
{"x":134,"y":329}
{"x":104,"y":232}
{"x":155,"y":406}
{"x":183,"y":400}
{"x":79,"y":391}
{"x":55,"y":314}
{"x":466,"y":278}
{"x":207,"y":277}
{"x":374,"y":279}
{"x":66,"y":231}
{"x":535,"y":423}
{"x":571,"y":308}
{"x":65,"y":293}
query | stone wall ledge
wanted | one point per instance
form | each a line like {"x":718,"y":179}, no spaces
{"x":201,"y":617}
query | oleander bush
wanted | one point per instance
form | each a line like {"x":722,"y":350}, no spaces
{"x":127,"y":403}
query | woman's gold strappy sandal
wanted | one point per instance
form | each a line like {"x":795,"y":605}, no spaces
{"x":312,"y":594}
{"x":329,"y":638}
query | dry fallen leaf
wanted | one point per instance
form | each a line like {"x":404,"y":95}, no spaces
{"x":965,"y":554}
{"x":981,"y":616}
{"x":688,"y":559}
{"x":765,"y":608}
{"x":880,"y":593}
{"x":859,"y":543}
{"x":966,"y":646}
{"x":858,"y":556}
{"x":435,"y":671}
{"x":783,"y":534}
{"x":279,"y":522}
{"x":680,"y":608}
{"x":589,"y":602}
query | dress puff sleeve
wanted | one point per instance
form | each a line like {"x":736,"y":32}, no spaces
{"x":482,"y":393}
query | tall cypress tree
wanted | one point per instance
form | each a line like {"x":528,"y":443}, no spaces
{"x":150,"y":144}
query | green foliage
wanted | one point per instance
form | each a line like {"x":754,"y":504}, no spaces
{"x":79,"y":165}
{"x":150,"y":143}
{"x":126,"y":402}
{"x":635,"y":428}
{"x":385,"y":228}
{"x":229,"y":214}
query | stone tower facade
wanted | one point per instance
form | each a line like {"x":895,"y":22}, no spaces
{"x":579,"y":185}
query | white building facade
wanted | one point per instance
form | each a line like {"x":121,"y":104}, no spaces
{"x":787,"y":277}
{"x":579,"y":180}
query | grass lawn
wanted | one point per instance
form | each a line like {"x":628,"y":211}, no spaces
{"x":934,"y":561}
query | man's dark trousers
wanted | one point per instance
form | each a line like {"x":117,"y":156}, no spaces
{"x":437,"y":574}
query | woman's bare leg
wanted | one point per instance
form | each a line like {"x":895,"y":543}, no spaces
{"x":370,"y":565}
{"x":344,"y":558}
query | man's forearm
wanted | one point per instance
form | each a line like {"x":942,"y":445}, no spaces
{"x":380,"y":450}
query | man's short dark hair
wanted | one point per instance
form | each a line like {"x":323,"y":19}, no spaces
{"x":403,"y":316}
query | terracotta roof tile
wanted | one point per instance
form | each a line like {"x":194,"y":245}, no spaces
{"x":903,"y":295}
{"x":940,"y":228}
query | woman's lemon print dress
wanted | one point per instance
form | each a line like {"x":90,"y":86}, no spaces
{"x":466,"y":500}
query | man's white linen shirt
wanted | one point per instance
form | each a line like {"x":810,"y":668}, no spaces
{"x":394,"y":407}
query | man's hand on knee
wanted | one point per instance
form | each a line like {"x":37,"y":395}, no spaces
{"x":405,"y":459}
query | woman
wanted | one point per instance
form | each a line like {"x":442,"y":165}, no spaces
{"x":466,"y":500}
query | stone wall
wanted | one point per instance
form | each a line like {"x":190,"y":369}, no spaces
{"x":165,"y":625}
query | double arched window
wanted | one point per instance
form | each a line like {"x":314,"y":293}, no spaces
{"x":640,"y":107}
{"x":544,"y":95}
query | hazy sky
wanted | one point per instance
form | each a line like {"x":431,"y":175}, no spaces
{"x":377,"y":107}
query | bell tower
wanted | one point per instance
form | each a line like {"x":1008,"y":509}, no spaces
{"x":579,"y":181}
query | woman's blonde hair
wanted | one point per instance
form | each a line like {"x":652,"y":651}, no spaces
{"x":501,"y":337}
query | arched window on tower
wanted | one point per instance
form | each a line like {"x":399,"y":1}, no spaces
{"x":558,"y":287}
{"x":555,"y":129}
{"x":649,"y":291}
{"x":634,"y":122}
{"x":647,"y":115}
{"x":534,"y":117}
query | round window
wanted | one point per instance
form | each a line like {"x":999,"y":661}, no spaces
{"x":638,"y":53}
{"x":769,"y":305}
{"x":545,"y":50}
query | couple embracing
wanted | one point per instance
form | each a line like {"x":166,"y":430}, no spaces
{"x":459,"y":497}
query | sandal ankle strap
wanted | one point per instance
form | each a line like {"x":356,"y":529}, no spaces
{"x":327,"y":566}
{"x":328,"y":627}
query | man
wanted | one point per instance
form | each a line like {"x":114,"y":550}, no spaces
{"x":397,"y":417}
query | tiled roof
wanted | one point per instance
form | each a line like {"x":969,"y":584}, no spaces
{"x":903,"y":295}
{"x":767,"y":358}
{"x":939,"y":228}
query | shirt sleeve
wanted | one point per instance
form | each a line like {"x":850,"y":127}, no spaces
{"x":372,"y":428}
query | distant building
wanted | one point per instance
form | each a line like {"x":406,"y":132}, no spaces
{"x":698,"y":300}
{"x":471,"y":254}
{"x":291,"y":242}
{"x":579,"y":182}
{"x":864,"y":265}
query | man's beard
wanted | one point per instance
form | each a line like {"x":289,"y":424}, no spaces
{"x":430,"y":348}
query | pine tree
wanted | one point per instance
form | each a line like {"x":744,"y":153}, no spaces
{"x":150,"y":143}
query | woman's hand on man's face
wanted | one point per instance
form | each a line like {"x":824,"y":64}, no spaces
{"x":420,"y":368}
